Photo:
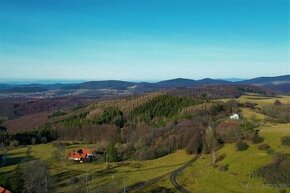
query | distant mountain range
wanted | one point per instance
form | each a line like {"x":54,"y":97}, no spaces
{"x":279,"y":84}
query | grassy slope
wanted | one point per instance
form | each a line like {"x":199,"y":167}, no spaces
{"x":249,"y":114}
{"x":261,"y":100}
{"x":130,"y":171}
{"x":202,"y":177}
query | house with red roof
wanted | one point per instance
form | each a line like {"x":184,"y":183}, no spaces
{"x":3,"y":190}
{"x":82,"y":155}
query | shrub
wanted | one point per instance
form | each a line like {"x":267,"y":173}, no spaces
{"x":33,"y":140}
{"x":43,"y":140}
{"x":257,"y":139}
{"x":285,"y":140}
{"x":263,"y":147}
{"x":241,"y":146}
{"x":220,"y":157}
{"x":56,"y":114}
{"x":249,"y":105}
{"x":161,"y":190}
{"x":277,"y":172}
{"x":14,"y":143}
{"x":277,"y":102}
{"x":224,"y":168}
{"x":282,"y":191}
{"x":111,"y":152}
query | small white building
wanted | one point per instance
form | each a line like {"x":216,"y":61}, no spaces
{"x":235,"y":116}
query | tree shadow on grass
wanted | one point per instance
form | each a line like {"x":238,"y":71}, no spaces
{"x":9,"y":161}
{"x":61,"y":178}
{"x":153,"y":168}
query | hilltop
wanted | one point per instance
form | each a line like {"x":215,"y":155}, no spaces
{"x":279,"y":84}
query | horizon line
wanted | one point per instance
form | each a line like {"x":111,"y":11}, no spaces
{"x":68,"y":81}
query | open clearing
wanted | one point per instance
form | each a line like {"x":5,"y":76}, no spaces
{"x":127,"y":173}
{"x":202,"y":177}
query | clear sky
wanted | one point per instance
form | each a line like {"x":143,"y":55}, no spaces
{"x":143,"y":40}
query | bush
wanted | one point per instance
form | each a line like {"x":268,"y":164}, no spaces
{"x":285,"y":140}
{"x":249,"y":105}
{"x":56,"y":114}
{"x":282,"y":191}
{"x":277,"y":172}
{"x":263,"y":147}
{"x":224,"y":168}
{"x":43,"y":140}
{"x":111,"y":153}
{"x":220,"y":157}
{"x":14,"y":143}
{"x":241,"y":146}
{"x":161,"y":190}
{"x":33,"y":140}
{"x":257,"y":139}
{"x":277,"y":102}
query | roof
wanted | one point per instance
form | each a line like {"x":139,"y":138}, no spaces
{"x":81,"y":153}
{"x":3,"y":190}
{"x":86,"y":151}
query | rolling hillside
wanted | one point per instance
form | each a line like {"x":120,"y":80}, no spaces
{"x":279,"y":84}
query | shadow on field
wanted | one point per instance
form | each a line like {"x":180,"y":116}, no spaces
{"x":66,"y":175}
{"x":16,"y":160}
{"x":153,"y":168}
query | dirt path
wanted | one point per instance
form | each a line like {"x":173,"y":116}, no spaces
{"x":173,"y":180}
{"x":174,"y":174}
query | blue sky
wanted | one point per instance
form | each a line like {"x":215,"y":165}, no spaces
{"x":143,"y":40}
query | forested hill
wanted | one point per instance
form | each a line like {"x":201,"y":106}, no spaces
{"x":279,"y":84}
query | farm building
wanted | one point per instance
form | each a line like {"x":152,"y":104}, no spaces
{"x":3,"y":190}
{"x":235,"y":116}
{"x":82,"y":155}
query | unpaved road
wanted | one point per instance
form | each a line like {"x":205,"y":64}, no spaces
{"x":174,"y":174}
{"x":173,"y":179}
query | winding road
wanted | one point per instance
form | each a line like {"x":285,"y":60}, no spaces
{"x":174,"y":174}
{"x":173,"y":179}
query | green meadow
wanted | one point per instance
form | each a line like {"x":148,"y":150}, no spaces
{"x":203,"y":177}
{"x":127,"y":173}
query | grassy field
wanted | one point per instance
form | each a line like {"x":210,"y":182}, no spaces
{"x":251,"y":114}
{"x":261,"y":100}
{"x":127,"y":173}
{"x":202,"y":177}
